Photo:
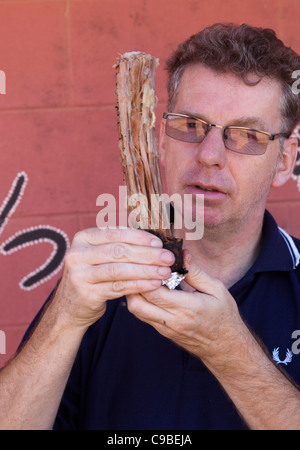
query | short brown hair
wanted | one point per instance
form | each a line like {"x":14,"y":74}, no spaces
{"x":240,"y":50}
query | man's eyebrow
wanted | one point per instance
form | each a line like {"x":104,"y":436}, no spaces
{"x":249,"y":122}
{"x":244,"y":121}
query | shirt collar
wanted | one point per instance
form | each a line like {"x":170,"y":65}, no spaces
{"x":278,"y":250}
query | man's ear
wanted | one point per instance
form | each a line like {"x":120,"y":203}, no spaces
{"x":286,"y":162}
{"x":162,"y":141}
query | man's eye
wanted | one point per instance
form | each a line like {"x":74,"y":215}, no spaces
{"x":251,"y":135}
{"x":245,"y":134}
{"x":191,"y":125}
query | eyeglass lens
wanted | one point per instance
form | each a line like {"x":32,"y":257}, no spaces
{"x":239,"y":140}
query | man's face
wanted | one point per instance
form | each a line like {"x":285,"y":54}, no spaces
{"x":235,"y":186}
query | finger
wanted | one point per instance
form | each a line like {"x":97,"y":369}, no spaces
{"x":128,"y":271}
{"x":165,"y":298}
{"x":199,"y":279}
{"x":96,"y":236}
{"x":148,"y":312}
{"x":115,"y":289}
{"x":120,"y":252}
{"x":175,"y":302}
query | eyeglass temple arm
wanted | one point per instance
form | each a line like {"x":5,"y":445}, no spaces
{"x":278,"y":136}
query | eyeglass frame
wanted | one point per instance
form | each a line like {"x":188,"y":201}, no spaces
{"x":271,"y":136}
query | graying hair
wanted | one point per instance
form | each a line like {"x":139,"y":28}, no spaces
{"x":241,"y":50}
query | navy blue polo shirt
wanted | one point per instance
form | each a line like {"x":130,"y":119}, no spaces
{"x":127,"y":376}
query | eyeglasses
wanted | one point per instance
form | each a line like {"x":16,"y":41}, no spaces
{"x":248,"y":141}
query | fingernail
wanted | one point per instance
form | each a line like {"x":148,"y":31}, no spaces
{"x":156,"y":243}
{"x":167,"y":257}
{"x":164,"y":272}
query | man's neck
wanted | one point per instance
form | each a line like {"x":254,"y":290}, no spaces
{"x":227,"y":254}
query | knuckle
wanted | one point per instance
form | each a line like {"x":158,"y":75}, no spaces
{"x":77,"y":236}
{"x":80,"y":236}
{"x":132,"y":304}
{"x":71,"y":257}
{"x":74,"y":255}
{"x":148,"y":272}
{"x":113,"y":271}
{"x":112,"y":234}
{"x":118,"y":286}
{"x":118,"y":251}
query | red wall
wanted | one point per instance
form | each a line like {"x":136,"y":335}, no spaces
{"x":58,"y":119}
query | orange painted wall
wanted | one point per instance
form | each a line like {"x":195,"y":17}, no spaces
{"x":58,"y":119}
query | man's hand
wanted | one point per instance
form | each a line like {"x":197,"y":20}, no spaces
{"x":106,"y":264}
{"x":205,"y":322}
{"x":100,"y":265}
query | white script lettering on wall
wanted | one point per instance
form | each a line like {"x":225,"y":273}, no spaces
{"x":30,"y":236}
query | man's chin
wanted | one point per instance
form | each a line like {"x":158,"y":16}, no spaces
{"x":214,"y":220}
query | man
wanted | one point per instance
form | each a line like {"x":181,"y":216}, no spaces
{"x":199,"y":357}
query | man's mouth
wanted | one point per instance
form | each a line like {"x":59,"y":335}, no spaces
{"x":207,"y":189}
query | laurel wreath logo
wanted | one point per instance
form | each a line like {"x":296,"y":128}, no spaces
{"x":288,"y":356}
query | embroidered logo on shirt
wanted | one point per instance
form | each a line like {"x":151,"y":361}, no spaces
{"x":288,"y":356}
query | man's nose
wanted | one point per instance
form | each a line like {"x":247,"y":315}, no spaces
{"x":212,"y":151}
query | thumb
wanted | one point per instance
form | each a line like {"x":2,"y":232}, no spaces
{"x":197,"y":278}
